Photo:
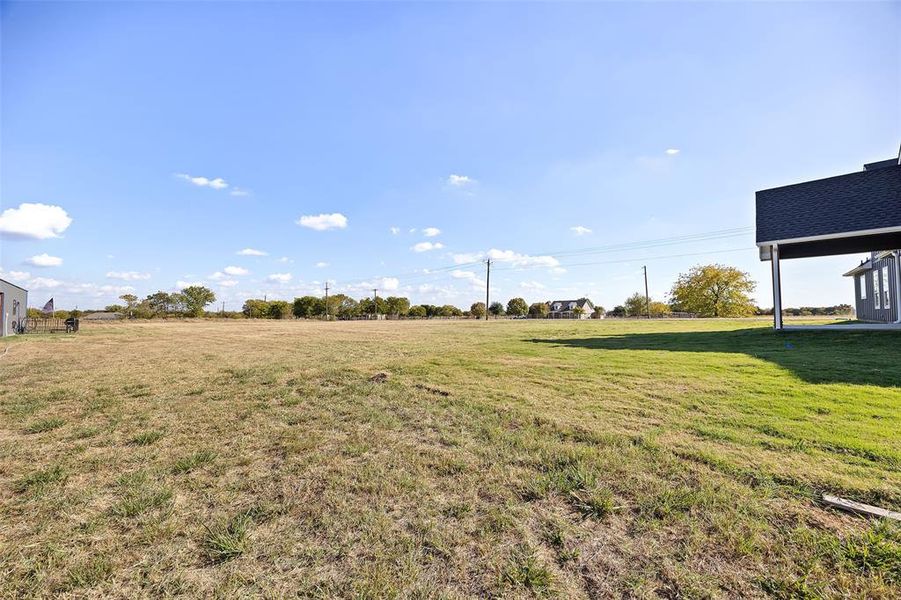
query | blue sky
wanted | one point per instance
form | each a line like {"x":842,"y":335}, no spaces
{"x":172,"y":136}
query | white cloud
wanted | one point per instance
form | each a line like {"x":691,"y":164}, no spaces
{"x":232,"y":270}
{"x":252,"y":252}
{"x":323,"y":221}
{"x":390,"y":283}
{"x":431,"y":231}
{"x":321,"y":265}
{"x":531,"y":285}
{"x":127,"y":275}
{"x":522,"y":260}
{"x":239,"y":192}
{"x":34,"y":221}
{"x":180,"y":285}
{"x":217,"y":183}
{"x":44,"y":283}
{"x":459,"y":180}
{"x":558,"y":270}
{"x":460,"y":274}
{"x":16,"y":275}
{"x":580,"y":230}
{"x":394,"y":230}
{"x":45,"y":260}
{"x":672,"y":151}
{"x":427,"y":246}
{"x":228,"y":282}
{"x":467,"y":257}
{"x":280,"y":277}
{"x":285,"y":259}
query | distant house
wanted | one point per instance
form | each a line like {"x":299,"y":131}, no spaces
{"x":570,"y":309}
{"x":13,"y":305}
{"x":875,"y":287}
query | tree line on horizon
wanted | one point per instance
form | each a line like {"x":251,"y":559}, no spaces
{"x":704,"y":291}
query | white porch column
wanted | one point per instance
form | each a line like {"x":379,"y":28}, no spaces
{"x":777,"y":288}
{"x":897,"y":299}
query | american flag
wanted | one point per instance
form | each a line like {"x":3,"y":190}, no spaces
{"x":48,"y":308}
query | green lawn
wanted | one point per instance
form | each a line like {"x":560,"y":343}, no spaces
{"x":506,"y":459}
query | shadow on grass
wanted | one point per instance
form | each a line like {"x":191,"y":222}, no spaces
{"x":863,"y":358}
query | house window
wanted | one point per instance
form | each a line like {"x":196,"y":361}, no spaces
{"x":862,"y":280}
{"x":877,"y":302}
{"x":886,"y":301}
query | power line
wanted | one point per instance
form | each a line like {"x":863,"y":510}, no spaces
{"x":439,"y":272}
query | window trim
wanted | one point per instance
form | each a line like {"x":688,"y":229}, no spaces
{"x":862,"y":280}
{"x":886,"y":297}
{"x":877,"y":297}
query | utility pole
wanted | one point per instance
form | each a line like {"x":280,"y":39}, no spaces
{"x":647,"y":298}
{"x":487,"y":286}
{"x":326,"y":300}
{"x":375,"y":303}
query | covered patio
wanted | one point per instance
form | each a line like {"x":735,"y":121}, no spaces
{"x":846,"y":214}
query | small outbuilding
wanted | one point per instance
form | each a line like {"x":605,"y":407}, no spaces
{"x":13,"y":307}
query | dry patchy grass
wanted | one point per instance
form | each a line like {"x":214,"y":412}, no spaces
{"x":515,"y":459}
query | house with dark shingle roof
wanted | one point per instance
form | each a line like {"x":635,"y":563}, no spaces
{"x":875,"y":282}
{"x":570,"y":309}
{"x":845,"y":214}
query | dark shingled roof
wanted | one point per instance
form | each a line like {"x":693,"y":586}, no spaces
{"x":869,"y":199}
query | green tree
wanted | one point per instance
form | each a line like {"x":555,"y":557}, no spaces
{"x":131,"y":301}
{"x":449,"y":310}
{"x":418,"y":311}
{"x":397,"y":306}
{"x":179,"y":303}
{"x":364,"y":307}
{"x":255,"y":309}
{"x":114,"y":308}
{"x":636,"y":305}
{"x":714,"y":291}
{"x":196,"y":297}
{"x":517,"y":307}
{"x":598,"y":312}
{"x":279,"y":309}
{"x":618,"y":311}
{"x":160,"y":302}
{"x":660,"y":309}
{"x":142,"y":310}
{"x":343,"y":307}
{"x":477,"y":310}
{"x":496,"y":309}
{"x":538,"y":310}
{"x":307,"y":307}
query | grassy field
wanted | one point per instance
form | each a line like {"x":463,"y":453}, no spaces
{"x":504,"y":459}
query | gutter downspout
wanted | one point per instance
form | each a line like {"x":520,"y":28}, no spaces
{"x":897,"y":286}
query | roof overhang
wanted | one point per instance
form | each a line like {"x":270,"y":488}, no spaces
{"x":13,"y":284}
{"x":848,"y":242}
{"x":861,"y":268}
{"x":856,"y":212}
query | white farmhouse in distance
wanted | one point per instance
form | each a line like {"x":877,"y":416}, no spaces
{"x":566,"y":309}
